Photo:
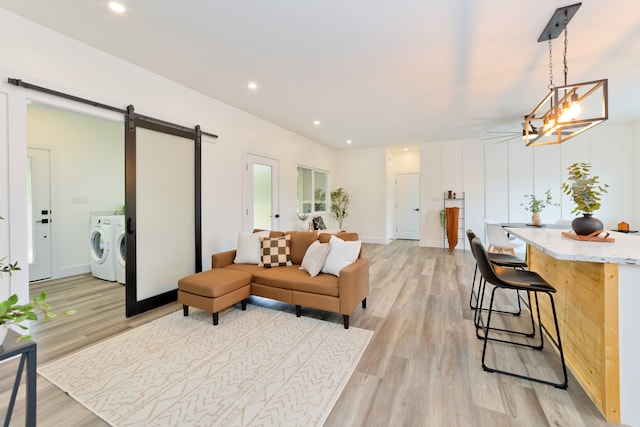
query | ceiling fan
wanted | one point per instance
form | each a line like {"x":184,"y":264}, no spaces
{"x":509,"y":135}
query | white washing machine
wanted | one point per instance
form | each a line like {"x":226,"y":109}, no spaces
{"x":101,"y":248}
{"x":120,"y":249}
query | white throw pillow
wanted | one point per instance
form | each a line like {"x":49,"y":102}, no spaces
{"x":315,"y":257}
{"x":248,"y":251}
{"x":342,"y":253}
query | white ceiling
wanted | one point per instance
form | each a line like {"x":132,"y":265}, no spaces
{"x":375,"y":72}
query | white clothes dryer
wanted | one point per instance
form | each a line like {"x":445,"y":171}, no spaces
{"x":120,"y":249}
{"x":101,"y":248}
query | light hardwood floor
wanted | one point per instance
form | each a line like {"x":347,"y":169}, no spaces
{"x":422,"y":367}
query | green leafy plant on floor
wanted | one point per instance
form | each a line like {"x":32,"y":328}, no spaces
{"x":339,"y":205}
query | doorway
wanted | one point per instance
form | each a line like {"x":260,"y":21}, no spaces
{"x":407,"y":206}
{"x":38,"y":213}
{"x":260,"y":193}
{"x":74,"y":171}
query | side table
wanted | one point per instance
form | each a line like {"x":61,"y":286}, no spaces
{"x":27,"y":351}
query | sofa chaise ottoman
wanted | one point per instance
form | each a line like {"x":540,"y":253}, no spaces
{"x":214,"y":290}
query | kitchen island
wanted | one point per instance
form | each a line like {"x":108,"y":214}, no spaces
{"x":598,"y":292}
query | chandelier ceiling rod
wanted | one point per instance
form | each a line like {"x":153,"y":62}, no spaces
{"x":556,"y":24}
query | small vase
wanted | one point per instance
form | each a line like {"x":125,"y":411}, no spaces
{"x":586,"y":224}
{"x":535,"y":218}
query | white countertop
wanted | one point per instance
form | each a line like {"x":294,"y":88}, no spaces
{"x":625,"y":249}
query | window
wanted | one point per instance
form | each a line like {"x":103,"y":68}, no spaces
{"x":313,"y":187}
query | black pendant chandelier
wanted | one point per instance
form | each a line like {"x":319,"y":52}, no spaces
{"x":567,"y":110}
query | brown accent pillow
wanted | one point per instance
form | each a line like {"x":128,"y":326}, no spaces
{"x":347,"y":237}
{"x":275,"y":252}
{"x":300,"y":242}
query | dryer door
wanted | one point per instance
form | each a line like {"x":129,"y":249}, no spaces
{"x":99,"y":245}
{"x":121,"y":249}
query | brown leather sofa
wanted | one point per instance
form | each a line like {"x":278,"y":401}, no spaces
{"x":294,"y":286}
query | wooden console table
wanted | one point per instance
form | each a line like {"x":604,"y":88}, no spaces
{"x":27,"y":351}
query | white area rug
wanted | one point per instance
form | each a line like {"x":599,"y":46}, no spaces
{"x":257,"y":367}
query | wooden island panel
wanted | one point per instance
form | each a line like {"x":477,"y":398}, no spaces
{"x":587,"y":310}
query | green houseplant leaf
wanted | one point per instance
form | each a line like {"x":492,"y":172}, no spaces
{"x":583,"y":188}
{"x":12,"y":313}
{"x":339,"y":205}
{"x":536,"y":205}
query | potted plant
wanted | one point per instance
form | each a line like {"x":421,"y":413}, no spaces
{"x":303,"y":223}
{"x":535,"y":205}
{"x":585,"y":191}
{"x":339,"y":205}
{"x":12,"y":313}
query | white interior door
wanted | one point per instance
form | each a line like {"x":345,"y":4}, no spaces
{"x":163,"y":210}
{"x":39,"y":213}
{"x":164,"y":230}
{"x":408,"y":206}
{"x":260,"y":196}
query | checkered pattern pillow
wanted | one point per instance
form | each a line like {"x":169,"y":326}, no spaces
{"x":275,"y":252}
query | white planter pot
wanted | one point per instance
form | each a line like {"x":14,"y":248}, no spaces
{"x":3,"y":332}
{"x":303,"y":225}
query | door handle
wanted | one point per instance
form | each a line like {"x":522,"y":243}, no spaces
{"x":43,"y":221}
{"x":416,"y":209}
{"x":130,"y":227}
{"x":277,"y":215}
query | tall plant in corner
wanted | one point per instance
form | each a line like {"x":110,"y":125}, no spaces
{"x":339,"y":205}
{"x":585,"y":190}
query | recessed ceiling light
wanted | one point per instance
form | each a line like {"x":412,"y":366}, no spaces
{"x":316,"y":122}
{"x":348,"y":141}
{"x":406,"y":149}
{"x":117,"y":7}
{"x":252,"y":85}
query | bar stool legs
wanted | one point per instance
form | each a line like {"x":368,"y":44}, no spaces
{"x":510,"y":279}
{"x":561,"y":385}
{"x":477,"y":316}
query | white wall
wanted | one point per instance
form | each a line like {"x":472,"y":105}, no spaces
{"x":496,"y":176}
{"x":452,"y":165}
{"x":635,"y":177}
{"x":364,"y":175}
{"x":405,"y":162}
{"x":5,"y":280}
{"x":48,"y":59}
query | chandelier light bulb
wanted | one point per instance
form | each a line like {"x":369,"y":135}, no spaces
{"x":575,"y":108}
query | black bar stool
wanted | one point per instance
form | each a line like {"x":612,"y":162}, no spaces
{"x":479,"y":307}
{"x":502,"y":260}
{"x":504,"y":278}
